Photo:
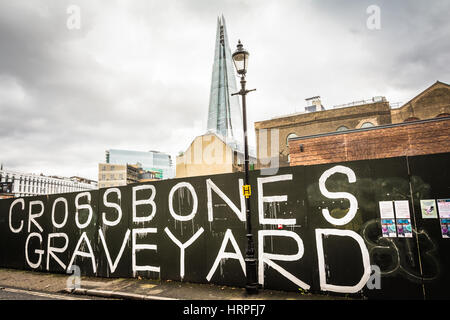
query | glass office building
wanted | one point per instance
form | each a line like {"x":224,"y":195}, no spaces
{"x":224,"y":113}
{"x":150,"y":160}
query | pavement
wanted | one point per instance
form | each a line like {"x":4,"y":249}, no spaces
{"x":12,"y":294}
{"x":140,"y":289}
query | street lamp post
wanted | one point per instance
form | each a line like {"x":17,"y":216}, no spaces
{"x":240,"y":59}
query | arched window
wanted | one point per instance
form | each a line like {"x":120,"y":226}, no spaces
{"x":342,"y":128}
{"x":290,"y":136}
{"x":367,"y":125}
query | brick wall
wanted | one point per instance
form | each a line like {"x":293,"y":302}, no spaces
{"x":317,"y":122}
{"x":413,"y":138}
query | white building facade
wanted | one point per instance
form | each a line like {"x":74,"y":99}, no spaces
{"x":28,"y":184}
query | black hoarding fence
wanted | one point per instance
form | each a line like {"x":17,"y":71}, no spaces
{"x":373,"y":228}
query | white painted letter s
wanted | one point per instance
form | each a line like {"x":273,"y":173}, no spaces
{"x":338,"y":195}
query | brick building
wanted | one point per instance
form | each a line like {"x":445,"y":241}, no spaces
{"x":410,"y":138}
{"x":431,"y":103}
{"x":112,"y":175}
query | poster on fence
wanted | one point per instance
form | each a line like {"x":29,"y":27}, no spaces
{"x":388,"y":228}
{"x":404,"y":228}
{"x":386,"y":209}
{"x":402,"y":209}
{"x":444,"y":208}
{"x":428,"y":209}
{"x":445,"y":228}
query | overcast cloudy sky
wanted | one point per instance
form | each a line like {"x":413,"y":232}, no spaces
{"x":136,"y":75}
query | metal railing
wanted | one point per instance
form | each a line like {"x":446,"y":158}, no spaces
{"x":360,"y":102}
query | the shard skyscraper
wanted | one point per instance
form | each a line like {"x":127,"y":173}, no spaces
{"x":225,"y":114}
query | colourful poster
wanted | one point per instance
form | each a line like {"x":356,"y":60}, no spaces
{"x":386,"y":209}
{"x":445,"y":228}
{"x":443,"y":208}
{"x":388,"y":228}
{"x":401,"y":209}
{"x":428,"y":208}
{"x":404,"y":228}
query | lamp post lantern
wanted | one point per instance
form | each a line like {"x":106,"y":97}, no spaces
{"x":240,"y":59}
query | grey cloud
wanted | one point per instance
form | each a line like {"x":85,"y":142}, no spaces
{"x":66,"y":96}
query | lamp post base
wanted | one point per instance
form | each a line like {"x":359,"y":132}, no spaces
{"x":252,"y":285}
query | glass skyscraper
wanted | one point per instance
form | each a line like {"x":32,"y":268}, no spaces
{"x":150,"y":160}
{"x":224,"y":114}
